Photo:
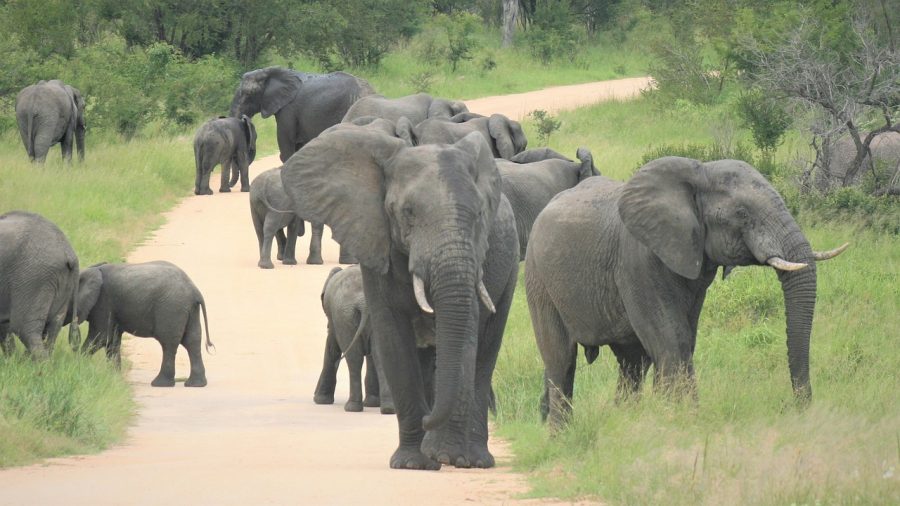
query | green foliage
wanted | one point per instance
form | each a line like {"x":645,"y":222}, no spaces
{"x":550,"y":34}
{"x":765,"y":118}
{"x":453,"y":38}
{"x":681,"y":71}
{"x":545,"y":124}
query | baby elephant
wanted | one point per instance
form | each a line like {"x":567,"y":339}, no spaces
{"x":230,"y":142}
{"x":153,"y":299}
{"x":349,"y":332}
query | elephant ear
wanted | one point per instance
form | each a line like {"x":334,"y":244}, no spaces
{"x":280,"y":89}
{"x":442,"y":108}
{"x":465,"y":116}
{"x":507,"y":134}
{"x":89,"y":285}
{"x":405,"y":130}
{"x":487,"y":182}
{"x":659,"y":208}
{"x":337,"y":179}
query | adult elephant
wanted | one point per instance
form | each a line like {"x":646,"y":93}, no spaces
{"x":884,"y":154}
{"x":229,"y":142}
{"x":532,"y":178}
{"x":434,"y":237}
{"x":38,"y":282}
{"x":628,"y":265}
{"x":50,"y":112}
{"x":303,"y":104}
{"x":416,"y":108}
{"x":505,"y":136}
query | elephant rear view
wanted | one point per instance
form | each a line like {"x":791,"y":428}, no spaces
{"x":229,"y":142}
{"x":152,"y":299}
{"x":38,"y":282}
{"x":47,"y":113}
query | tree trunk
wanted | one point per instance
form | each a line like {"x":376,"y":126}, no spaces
{"x":510,"y":15}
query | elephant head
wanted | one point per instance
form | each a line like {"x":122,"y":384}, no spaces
{"x":443,"y":108}
{"x":509,"y":138}
{"x":419,"y":216}
{"x":266,"y":91}
{"x":691,"y":214}
{"x":249,"y":136}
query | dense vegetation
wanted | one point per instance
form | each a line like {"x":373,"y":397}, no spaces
{"x":152,"y":70}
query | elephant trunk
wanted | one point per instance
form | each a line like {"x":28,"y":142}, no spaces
{"x":455,"y":308}
{"x":799,"y":288}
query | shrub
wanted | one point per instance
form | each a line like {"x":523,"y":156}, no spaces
{"x":545,"y":123}
{"x":551,"y":34}
{"x":765,"y":118}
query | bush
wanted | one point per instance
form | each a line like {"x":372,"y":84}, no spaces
{"x":765,"y":118}
{"x":551,"y":34}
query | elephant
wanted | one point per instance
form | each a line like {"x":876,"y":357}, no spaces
{"x":303,"y":104}
{"x":38,"y":283}
{"x":349,"y":337}
{"x":416,"y":108}
{"x":50,"y":112}
{"x":628,"y":265}
{"x":271,"y":211}
{"x":229,"y":142}
{"x":151,"y":299}
{"x":885,"y":148}
{"x":534,"y":177}
{"x":503,"y":135}
{"x":437,"y":248}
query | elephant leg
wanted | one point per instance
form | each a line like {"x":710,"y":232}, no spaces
{"x":51,"y":332}
{"x":315,"y":244}
{"x":270,"y":227}
{"x":290,"y":243}
{"x":396,"y":343}
{"x":226,"y":171}
{"x":193,"y":343}
{"x":427,"y":364}
{"x":558,"y":353}
{"x":372,"y":398}
{"x":354,"y":366}
{"x":346,"y":258}
{"x":328,"y":377}
{"x":633,"y":365}
{"x":114,"y":348}
{"x":166,"y":376}
{"x":244,"y":167}
{"x":279,"y":242}
{"x":380,"y":383}
{"x":95,"y":340}
{"x":204,"y":183}
{"x":7,"y":345}
{"x":66,"y":144}
{"x":235,"y":174}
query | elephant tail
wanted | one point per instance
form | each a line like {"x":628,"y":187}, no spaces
{"x":209,"y":343}
{"x":28,"y":132}
{"x":363,"y":321}
{"x":74,"y":331}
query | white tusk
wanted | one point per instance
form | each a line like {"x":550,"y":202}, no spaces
{"x":421,"y":298}
{"x":826,"y":255}
{"x":783,"y":265}
{"x":486,"y":297}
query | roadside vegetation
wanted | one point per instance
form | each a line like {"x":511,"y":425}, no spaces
{"x":743,"y":442}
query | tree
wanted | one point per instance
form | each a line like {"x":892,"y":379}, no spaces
{"x":510,"y":16}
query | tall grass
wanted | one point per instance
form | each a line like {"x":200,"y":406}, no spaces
{"x":744,"y":442}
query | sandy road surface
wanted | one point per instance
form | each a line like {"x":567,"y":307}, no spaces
{"x":254,"y":436}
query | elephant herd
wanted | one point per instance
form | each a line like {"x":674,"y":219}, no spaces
{"x":437,"y":206}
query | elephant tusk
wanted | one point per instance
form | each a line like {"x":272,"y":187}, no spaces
{"x":827,"y":255}
{"x":783,"y":265}
{"x":486,"y":297}
{"x":421,"y":298}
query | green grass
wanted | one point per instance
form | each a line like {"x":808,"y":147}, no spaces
{"x":744,"y":442}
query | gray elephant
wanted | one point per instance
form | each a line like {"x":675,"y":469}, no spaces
{"x":350,"y":337}
{"x":885,"y":150}
{"x":50,"y":112}
{"x":38,"y":282}
{"x":272,"y":212}
{"x":152,"y":299}
{"x":416,"y":108}
{"x":628,"y":265}
{"x":303,"y":104}
{"x":503,"y":135}
{"x":437,"y":247}
{"x":229,"y":142}
{"x":534,"y":177}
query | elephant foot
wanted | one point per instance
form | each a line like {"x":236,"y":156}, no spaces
{"x":314,"y":260}
{"x":160,"y":381}
{"x":347,"y":259}
{"x":457,"y":454}
{"x":265,"y":264}
{"x":388,"y":409}
{"x":279,"y":256}
{"x":199,"y":381}
{"x":289,"y":261}
{"x":323,"y":399}
{"x":372,"y":401}
{"x":412,"y":458}
{"x":225,"y":190}
{"x":245,"y":189}
{"x":353,"y":406}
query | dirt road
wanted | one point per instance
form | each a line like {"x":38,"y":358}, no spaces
{"x":254,"y":436}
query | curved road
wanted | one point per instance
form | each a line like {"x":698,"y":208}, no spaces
{"x":254,"y":436}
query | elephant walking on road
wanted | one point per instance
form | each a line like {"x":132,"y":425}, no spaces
{"x":51,"y":112}
{"x":38,"y":282}
{"x":628,"y":265}
{"x":152,"y":299}
{"x":350,"y":337}
{"x":229,"y":142}
{"x":532,"y":178}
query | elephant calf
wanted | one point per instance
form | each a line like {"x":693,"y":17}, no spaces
{"x":271,"y":212}
{"x":349,"y":336}
{"x":153,"y":299}
{"x":229,"y":142}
